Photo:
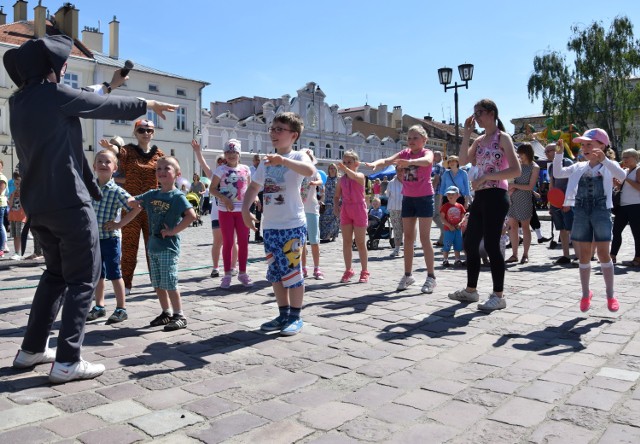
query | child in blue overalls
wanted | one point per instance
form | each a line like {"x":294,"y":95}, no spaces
{"x":589,"y":192}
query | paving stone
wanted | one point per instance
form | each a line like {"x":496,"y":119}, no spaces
{"x":227,"y":427}
{"x":119,"y":411}
{"x":78,"y":402}
{"x":121,"y":392}
{"x":274,"y":432}
{"x":273,"y":410}
{"x":165,"y":421}
{"x":628,"y":413}
{"x":332,"y":438}
{"x":368,"y":429}
{"x":325,"y":370}
{"x":595,"y":398}
{"x":330,"y":415}
{"x":162,"y":399}
{"x":35,"y":434}
{"x":620,"y":434}
{"x":74,"y":424}
{"x":417,"y":434}
{"x":615,"y":373}
{"x":522,"y":412}
{"x":26,"y":414}
{"x":459,"y":415}
{"x":556,"y":432}
{"x":121,"y":434}
{"x":211,"y":406}
{"x":545,"y":391}
{"x":490,"y":432}
{"x":422,"y":399}
{"x":32,"y":395}
{"x":497,"y":385}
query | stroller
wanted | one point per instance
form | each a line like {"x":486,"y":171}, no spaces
{"x":379,"y":228}
{"x":194,"y":200}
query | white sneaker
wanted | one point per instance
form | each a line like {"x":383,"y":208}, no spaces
{"x":405,"y":282}
{"x":65,"y":372}
{"x":16,"y":257}
{"x":234,"y":272}
{"x":464,"y":296}
{"x":493,"y":303}
{"x":429,"y":285}
{"x":395,"y":252}
{"x":127,"y":291}
{"x":25,"y":359}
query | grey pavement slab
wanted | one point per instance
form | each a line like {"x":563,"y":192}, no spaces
{"x":371,"y":365}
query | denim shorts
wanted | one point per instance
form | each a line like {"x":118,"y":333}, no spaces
{"x":215,"y":223}
{"x":110,"y":251}
{"x":591,"y":224}
{"x":562,"y":220}
{"x":422,"y":206}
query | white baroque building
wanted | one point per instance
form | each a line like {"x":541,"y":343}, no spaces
{"x":326,"y":132}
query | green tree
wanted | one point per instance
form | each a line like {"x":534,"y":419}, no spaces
{"x":597,"y":88}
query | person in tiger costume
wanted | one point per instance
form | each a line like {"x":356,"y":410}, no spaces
{"x":137,"y":163}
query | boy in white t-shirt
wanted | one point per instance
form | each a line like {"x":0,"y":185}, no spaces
{"x":283,"y":219}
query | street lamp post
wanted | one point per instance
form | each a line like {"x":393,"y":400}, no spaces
{"x":466,"y":74}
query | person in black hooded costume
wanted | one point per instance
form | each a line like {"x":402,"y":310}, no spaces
{"x":56,"y":194}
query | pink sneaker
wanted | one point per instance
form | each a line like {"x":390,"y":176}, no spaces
{"x":225,"y":282}
{"x":305,"y":273}
{"x":585,"y":303}
{"x":364,"y":277}
{"x":245,"y":280}
{"x":346,"y":277}
{"x":613,"y":304}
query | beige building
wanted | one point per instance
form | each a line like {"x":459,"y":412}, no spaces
{"x":90,"y":65}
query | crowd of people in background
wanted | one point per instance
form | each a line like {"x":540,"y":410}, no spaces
{"x":479,"y":199}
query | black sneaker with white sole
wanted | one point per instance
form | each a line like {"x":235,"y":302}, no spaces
{"x":177,"y":322}
{"x":162,"y":319}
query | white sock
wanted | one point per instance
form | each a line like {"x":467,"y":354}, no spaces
{"x":585,"y":274}
{"x":538,"y":233}
{"x":608,"y":274}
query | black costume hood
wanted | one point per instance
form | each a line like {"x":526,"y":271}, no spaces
{"x":35,"y":59}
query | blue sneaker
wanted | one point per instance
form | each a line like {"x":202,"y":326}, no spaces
{"x":293,"y":327}
{"x":275,"y":324}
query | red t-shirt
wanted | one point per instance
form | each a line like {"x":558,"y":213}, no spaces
{"x":452,"y":214}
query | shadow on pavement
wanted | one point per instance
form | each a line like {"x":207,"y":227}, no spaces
{"x":438,"y":324}
{"x":564,"y":338}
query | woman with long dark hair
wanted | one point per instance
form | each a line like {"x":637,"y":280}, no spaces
{"x":495,"y":159}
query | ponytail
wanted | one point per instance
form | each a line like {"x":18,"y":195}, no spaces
{"x":501,"y":126}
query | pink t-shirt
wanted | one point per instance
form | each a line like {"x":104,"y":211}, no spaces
{"x":490,"y":158}
{"x":352,"y":191}
{"x":233,"y":184}
{"x":417,"y":179}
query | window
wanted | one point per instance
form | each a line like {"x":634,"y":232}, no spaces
{"x":181,"y":92}
{"x":181,"y":119}
{"x":154,"y":118}
{"x":340,"y":152}
{"x":327,"y":151}
{"x":121,"y":122}
{"x":312,"y":147}
{"x":153,"y":88}
{"x":71,"y":80}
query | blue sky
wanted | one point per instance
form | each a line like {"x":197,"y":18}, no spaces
{"x":357,"y":51}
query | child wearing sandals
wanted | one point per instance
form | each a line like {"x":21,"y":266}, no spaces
{"x":353,"y":214}
{"x":309,"y":194}
{"x":589,"y":192}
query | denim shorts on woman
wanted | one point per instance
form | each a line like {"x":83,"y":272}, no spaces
{"x":421,"y":206}
{"x":591,"y":223}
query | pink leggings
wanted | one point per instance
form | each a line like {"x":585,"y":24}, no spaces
{"x":230,"y":222}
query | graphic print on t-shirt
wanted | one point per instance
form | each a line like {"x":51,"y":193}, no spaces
{"x":274,"y":188}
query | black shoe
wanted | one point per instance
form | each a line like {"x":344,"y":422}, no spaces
{"x":96,"y":313}
{"x":118,"y":316}
{"x":163,"y":319}
{"x":177,"y":322}
{"x":215,"y":273}
{"x":542,"y":240}
{"x":553,"y":244}
{"x":562,"y":260}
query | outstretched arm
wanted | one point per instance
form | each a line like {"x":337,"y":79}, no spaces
{"x":197,"y":150}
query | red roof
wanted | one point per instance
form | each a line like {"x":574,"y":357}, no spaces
{"x":17,"y":33}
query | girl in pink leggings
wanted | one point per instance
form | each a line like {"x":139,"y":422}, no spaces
{"x":229,"y":185}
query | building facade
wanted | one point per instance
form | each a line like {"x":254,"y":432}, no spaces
{"x":89,"y":65}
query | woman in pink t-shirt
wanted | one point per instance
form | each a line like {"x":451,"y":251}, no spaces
{"x":417,"y":202}
{"x":495,"y":158}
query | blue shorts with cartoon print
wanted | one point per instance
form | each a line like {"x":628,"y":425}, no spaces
{"x":283,"y":249}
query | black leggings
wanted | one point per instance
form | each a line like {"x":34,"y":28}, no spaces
{"x":627,"y":214}
{"x":486,"y":219}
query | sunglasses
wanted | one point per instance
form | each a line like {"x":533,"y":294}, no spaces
{"x":479,"y":112}
{"x":145,"y":130}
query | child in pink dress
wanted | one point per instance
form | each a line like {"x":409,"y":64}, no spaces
{"x":352,"y":213}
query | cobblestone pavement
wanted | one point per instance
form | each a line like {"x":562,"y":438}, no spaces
{"x":371,"y":365}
